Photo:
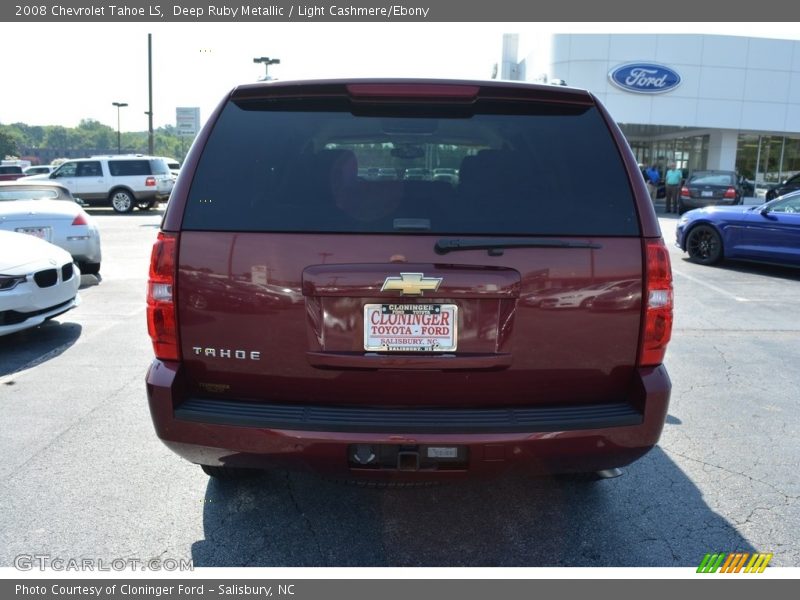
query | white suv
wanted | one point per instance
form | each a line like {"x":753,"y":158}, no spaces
{"x":124,"y":182}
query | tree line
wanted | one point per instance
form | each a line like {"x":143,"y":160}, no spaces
{"x":44,"y":143}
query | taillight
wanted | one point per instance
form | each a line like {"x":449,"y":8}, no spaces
{"x":162,"y":319}
{"x":657,"y":324}
{"x":413,"y":90}
{"x":80,"y":219}
{"x":685,"y":192}
{"x":730,"y":193}
{"x":150,"y":181}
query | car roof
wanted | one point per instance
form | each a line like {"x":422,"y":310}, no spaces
{"x":715,"y":171}
{"x":118,"y":157}
{"x":793,"y":194}
{"x":36,"y":183}
{"x":366,"y":87}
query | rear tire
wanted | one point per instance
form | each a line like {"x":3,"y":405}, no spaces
{"x":704,"y":245}
{"x":228,"y":473}
{"x":122,"y":201}
{"x":89,"y":268}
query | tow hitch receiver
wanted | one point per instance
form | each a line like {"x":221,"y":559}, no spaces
{"x":407,"y":457}
{"x":408,"y":461}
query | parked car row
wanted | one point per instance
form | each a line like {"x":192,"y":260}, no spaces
{"x":606,"y":295}
{"x":450,"y":175}
{"x":124,"y":182}
{"x":49,"y":211}
{"x":47,"y":240}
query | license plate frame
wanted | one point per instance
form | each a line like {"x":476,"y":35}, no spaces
{"x":416,"y":328}
{"x":43,"y":233}
{"x":707,"y":194}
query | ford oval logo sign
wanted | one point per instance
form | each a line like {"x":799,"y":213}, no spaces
{"x":645,"y":78}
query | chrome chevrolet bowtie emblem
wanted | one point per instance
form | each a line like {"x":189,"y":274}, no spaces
{"x":411,"y":284}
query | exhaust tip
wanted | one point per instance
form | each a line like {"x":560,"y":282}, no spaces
{"x":609,"y":473}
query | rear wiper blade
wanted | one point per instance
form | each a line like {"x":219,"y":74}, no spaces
{"x":495,"y":245}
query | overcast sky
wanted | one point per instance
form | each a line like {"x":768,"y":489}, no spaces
{"x":67,"y":72}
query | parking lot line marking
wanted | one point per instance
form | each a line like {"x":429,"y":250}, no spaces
{"x":56,"y":351}
{"x":36,"y":361}
{"x":710,"y":286}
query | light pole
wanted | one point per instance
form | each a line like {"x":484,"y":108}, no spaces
{"x":119,"y":105}
{"x":149,"y":112}
{"x":267,"y":62}
{"x":149,"y":132}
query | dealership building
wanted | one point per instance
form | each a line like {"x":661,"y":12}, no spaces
{"x":704,"y":101}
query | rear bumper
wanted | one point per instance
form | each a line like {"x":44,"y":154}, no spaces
{"x":690,"y":203}
{"x":83,"y":248}
{"x":153,"y":196}
{"x":320,"y":438}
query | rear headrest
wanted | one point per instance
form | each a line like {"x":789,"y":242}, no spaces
{"x":467,"y":172}
{"x":339,"y":167}
{"x":480,"y":169}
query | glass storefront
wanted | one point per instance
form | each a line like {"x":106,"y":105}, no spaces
{"x":768,"y":159}
{"x":689,"y":153}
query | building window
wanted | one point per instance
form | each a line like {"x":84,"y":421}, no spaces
{"x":768,"y":158}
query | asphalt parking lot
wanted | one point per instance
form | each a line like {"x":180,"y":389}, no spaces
{"x":84,"y":475}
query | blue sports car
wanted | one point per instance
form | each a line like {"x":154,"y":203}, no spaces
{"x":768,"y":233}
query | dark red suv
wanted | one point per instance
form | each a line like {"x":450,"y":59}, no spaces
{"x":305,"y":314}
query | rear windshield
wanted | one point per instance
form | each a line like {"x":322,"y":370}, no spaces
{"x":708,"y":178}
{"x":516,"y":169}
{"x":28,"y":194}
{"x":159,"y":166}
{"x":10,"y":170}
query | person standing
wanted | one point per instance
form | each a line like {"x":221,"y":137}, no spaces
{"x":672,"y":180}
{"x":653,"y":178}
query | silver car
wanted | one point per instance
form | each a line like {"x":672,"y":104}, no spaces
{"x":48,"y":211}
{"x":38,"y":281}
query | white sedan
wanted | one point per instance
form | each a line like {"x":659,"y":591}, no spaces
{"x":49,"y":211}
{"x":38,"y":281}
{"x":38,"y":170}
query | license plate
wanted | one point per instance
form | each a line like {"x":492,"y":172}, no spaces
{"x":707,"y":194}
{"x":40,"y":232}
{"x":410,"y":327}
{"x":442,"y":452}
